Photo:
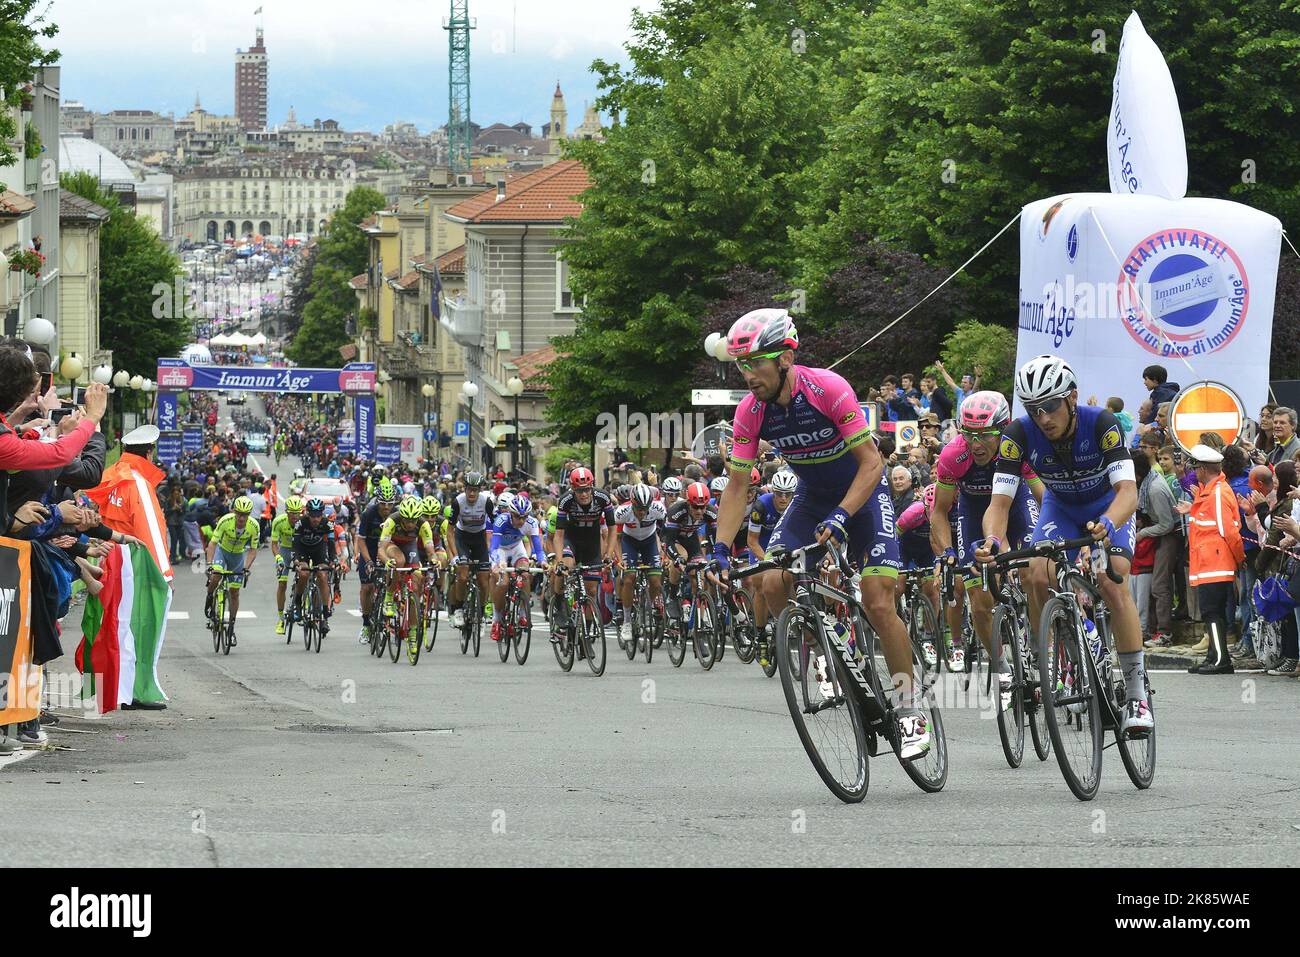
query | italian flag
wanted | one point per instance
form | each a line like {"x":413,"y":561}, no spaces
{"x":123,"y":631}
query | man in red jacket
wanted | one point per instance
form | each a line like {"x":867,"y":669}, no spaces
{"x":1215,"y":553}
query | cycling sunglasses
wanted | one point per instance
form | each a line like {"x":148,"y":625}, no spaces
{"x":1046,"y":407}
{"x":981,"y":433}
{"x":748,"y":363}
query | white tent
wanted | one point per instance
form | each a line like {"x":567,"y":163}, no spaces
{"x":258,"y":340}
{"x":221,"y":339}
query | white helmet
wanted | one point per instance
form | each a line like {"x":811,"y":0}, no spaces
{"x":642,"y":496}
{"x":718,"y":484}
{"x":1044,"y":377}
{"x":504,"y":500}
{"x":784,"y":481}
{"x":671,"y":485}
{"x":299,"y":473}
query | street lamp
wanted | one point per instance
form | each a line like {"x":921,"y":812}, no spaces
{"x":468,"y":391}
{"x":72,"y":367}
{"x":427,"y":390}
{"x":39,"y":330}
{"x":102,"y":374}
{"x":515,"y":386}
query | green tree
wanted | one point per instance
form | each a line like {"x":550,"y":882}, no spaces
{"x":341,"y":253}
{"x":133,"y":260}
{"x":690,"y":186}
{"x":984,"y":346}
{"x":20,"y":55}
{"x":949,"y":116}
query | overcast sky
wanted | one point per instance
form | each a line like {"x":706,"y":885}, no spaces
{"x":364,"y":64}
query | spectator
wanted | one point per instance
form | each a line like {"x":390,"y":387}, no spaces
{"x":1284,"y":531}
{"x":908,"y":390}
{"x":1215,"y":551}
{"x":895,"y":406}
{"x":1286,"y":444}
{"x":900,"y":482}
{"x":930,"y":433}
{"x":968,"y":385}
{"x":1160,"y":524}
{"x":940,"y":403}
{"x":1156,"y":380}
{"x":1264,"y":438}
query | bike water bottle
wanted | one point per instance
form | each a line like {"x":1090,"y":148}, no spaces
{"x":1099,"y":654}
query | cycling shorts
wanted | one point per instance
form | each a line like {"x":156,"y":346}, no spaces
{"x":870,"y":532}
{"x":970,"y":522}
{"x":1058,"y":520}
{"x":916,"y":554}
{"x":641,"y":551}
{"x":510,"y":554}
{"x":225,"y":561}
{"x":473,"y":548}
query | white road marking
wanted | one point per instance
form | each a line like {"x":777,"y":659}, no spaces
{"x":246,"y":614}
{"x":178,"y":616}
{"x":354,"y":612}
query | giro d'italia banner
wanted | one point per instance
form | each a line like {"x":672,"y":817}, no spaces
{"x":1113,"y":284}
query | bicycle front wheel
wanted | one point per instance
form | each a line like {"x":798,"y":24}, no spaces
{"x":593,"y":639}
{"x":676,"y":638}
{"x":1070,"y":699}
{"x":821,"y":703}
{"x":1011,"y":722}
{"x":705,"y":630}
{"x":744,"y":633}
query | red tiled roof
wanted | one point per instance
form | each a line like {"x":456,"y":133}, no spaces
{"x":531,"y":364}
{"x":360,"y":282}
{"x":409,"y":281}
{"x":15,"y":204}
{"x":452,"y":262}
{"x":548,"y":195}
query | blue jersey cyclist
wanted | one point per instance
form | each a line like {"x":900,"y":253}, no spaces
{"x":812,"y":417}
{"x":510,"y":530}
{"x":1079,"y":454}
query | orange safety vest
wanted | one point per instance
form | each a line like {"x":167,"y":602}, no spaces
{"x":1214,"y":534}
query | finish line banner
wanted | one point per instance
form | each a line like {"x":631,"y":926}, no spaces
{"x":355,"y":378}
{"x":1113,"y":284}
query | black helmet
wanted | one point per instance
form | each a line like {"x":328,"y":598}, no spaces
{"x":315,"y":507}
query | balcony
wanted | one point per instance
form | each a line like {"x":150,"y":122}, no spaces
{"x":464,"y":320}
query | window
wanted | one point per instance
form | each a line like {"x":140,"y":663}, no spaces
{"x":564,"y":301}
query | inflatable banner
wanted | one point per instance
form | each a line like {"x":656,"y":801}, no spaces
{"x":1188,"y":283}
{"x":1145,"y":147}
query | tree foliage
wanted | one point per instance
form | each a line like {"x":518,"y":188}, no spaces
{"x":20,"y":54}
{"x":683,"y":192}
{"x":984,"y":346}
{"x":341,"y":253}
{"x":949,"y":116}
{"x":133,"y":260}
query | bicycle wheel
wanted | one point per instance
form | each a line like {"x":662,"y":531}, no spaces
{"x":476,"y":632}
{"x":925,"y":631}
{"x":1139,"y":753}
{"x":593,"y":639}
{"x":401,"y":628}
{"x":705,"y":630}
{"x":415,"y":641}
{"x":825,"y":713}
{"x":1011,"y":722}
{"x":744,"y":633}
{"x":523,"y":638}
{"x":509,"y":623}
{"x":677,"y":641}
{"x":471,"y":600}
{"x":319,"y":636}
{"x":929,"y":772}
{"x":435,"y":612}
{"x":309,"y":616}
{"x":565,"y":638}
{"x":288,"y":619}
{"x":228,"y":634}
{"x":635,"y":619}
{"x":1070,"y":699}
{"x":1035,"y":713}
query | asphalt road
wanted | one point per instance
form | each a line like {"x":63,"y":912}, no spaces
{"x":276,"y":756}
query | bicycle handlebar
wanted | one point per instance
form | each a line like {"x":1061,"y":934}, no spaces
{"x":1050,"y":547}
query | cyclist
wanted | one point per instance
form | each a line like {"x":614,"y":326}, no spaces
{"x":812,"y":418}
{"x":471,"y":511}
{"x":584,"y":516}
{"x":671,"y":489}
{"x":313,"y":544}
{"x":1079,"y":453}
{"x":687,"y":529}
{"x":917,"y":552}
{"x":401,"y":540}
{"x":234,"y":542}
{"x":282,"y":549}
{"x":765,"y":512}
{"x":638,"y":522}
{"x":508,"y":549}
{"x":967,"y":465}
{"x":372,"y":520}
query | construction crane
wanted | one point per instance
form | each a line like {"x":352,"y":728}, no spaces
{"x":458,"y":26}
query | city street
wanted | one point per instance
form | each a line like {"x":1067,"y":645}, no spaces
{"x":276,"y":756}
